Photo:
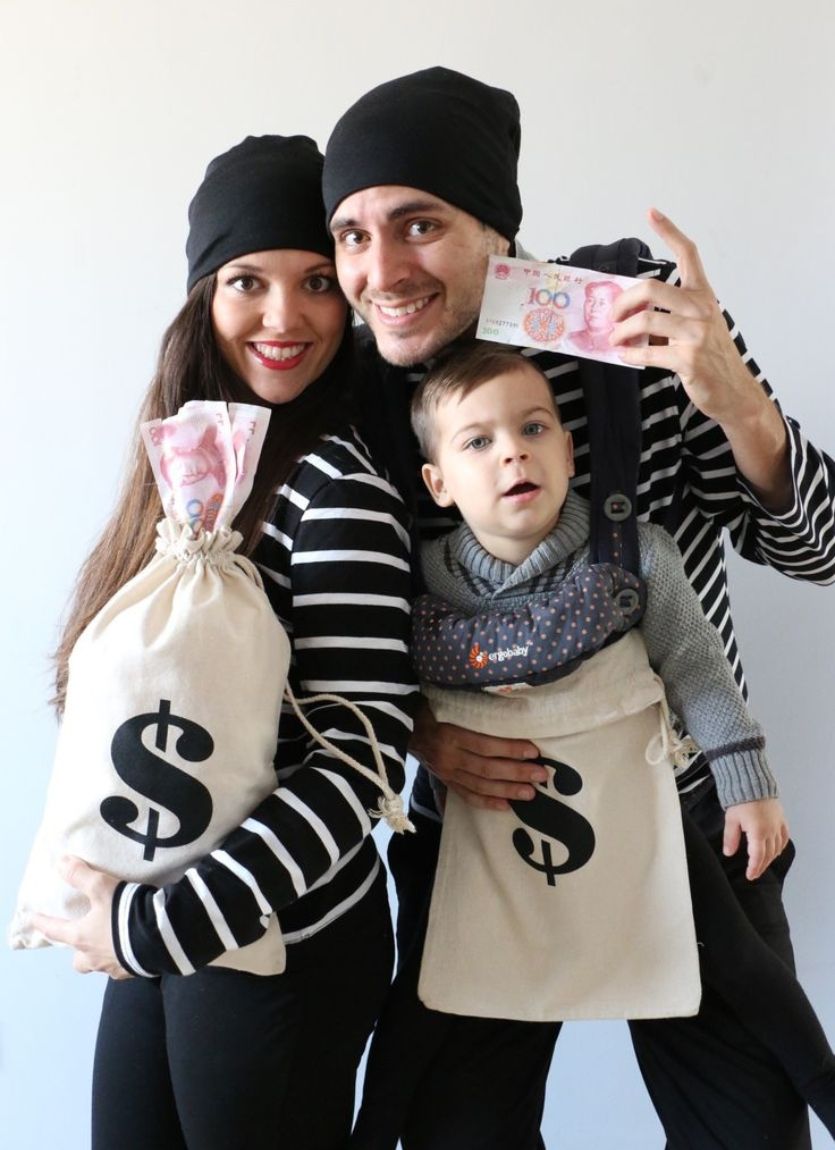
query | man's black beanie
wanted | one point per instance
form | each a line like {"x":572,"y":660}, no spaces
{"x":438,"y":131}
{"x":263,"y":194}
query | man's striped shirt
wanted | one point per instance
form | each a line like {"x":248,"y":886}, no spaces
{"x":686,"y":458}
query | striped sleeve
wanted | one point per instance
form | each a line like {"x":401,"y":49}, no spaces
{"x":799,"y":541}
{"x":337,"y":568}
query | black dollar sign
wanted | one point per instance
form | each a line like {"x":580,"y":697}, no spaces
{"x":557,"y":821}
{"x":158,"y":780}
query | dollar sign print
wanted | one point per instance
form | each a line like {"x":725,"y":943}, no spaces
{"x":555,"y":820}
{"x":158,"y":780}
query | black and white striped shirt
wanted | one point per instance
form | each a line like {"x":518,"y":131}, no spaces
{"x":335,"y":557}
{"x":684,"y":457}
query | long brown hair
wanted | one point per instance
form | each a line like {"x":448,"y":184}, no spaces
{"x":190,"y":366}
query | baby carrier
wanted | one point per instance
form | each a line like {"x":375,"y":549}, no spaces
{"x":575,"y":904}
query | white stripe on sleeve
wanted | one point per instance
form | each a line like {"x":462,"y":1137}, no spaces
{"x":213,"y":911}
{"x":350,"y":797}
{"x":122,"y":918}
{"x":169,"y":938}
{"x":268,"y":837}
{"x":309,"y":815}
{"x":246,"y":877}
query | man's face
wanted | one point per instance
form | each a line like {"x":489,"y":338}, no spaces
{"x":413,"y":266}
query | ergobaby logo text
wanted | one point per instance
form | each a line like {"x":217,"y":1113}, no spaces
{"x":479,"y":659}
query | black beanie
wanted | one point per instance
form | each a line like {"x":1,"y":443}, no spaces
{"x":439,"y":131}
{"x":263,"y":194}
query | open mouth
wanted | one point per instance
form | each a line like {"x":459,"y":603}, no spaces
{"x":403,"y":312}
{"x":523,"y":488}
{"x":279,"y":351}
{"x":279,"y":356}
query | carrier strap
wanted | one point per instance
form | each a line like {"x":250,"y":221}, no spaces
{"x":612,"y":398}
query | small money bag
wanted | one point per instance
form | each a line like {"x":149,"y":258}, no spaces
{"x":175,"y":689}
{"x":582,"y":892}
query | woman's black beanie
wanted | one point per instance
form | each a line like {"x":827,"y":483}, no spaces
{"x":263,"y":194}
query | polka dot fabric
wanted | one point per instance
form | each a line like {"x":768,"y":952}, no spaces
{"x":541,"y":641}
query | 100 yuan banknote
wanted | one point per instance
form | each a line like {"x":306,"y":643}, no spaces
{"x":203,"y":460}
{"x":552,"y":307}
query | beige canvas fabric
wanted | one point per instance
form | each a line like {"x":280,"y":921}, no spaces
{"x":169,"y":732}
{"x":575,"y":905}
{"x":174,"y":697}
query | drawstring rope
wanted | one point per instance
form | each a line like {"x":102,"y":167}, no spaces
{"x":671,"y":746}
{"x":390,"y":804}
{"x":218,"y":549}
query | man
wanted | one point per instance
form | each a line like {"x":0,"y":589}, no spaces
{"x":420,"y":188}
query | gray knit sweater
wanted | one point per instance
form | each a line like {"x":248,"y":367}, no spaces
{"x":683,"y":647}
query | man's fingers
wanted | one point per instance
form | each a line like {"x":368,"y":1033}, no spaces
{"x":648,"y":295}
{"x":502,"y":770}
{"x":484,"y":759}
{"x":656,"y":355}
{"x":482,"y":802}
{"x":484,"y":770}
{"x":685,"y":252}
{"x":489,"y":746}
{"x":661,"y":324}
{"x":498,"y":786}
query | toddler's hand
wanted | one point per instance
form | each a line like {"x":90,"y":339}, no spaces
{"x":764,"y":825}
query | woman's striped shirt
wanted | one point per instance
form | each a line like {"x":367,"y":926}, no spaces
{"x":335,"y":558}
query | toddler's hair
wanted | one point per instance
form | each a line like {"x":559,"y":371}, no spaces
{"x":458,"y":372}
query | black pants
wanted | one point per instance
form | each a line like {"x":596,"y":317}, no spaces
{"x":712,"y":1082}
{"x":445,"y":1082}
{"x":222,"y":1060}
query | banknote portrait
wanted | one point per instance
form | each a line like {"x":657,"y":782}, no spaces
{"x":598,"y":299}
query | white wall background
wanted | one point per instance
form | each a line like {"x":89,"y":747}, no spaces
{"x":721,"y":112}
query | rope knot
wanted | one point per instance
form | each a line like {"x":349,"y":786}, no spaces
{"x":677,"y":749}
{"x":390,"y":808}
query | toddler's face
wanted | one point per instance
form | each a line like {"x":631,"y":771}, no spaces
{"x":504,"y":460}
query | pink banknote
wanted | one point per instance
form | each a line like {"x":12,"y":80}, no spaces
{"x":550,"y":306}
{"x":204,"y":458}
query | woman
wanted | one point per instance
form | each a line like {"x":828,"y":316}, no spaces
{"x":225,"y":1059}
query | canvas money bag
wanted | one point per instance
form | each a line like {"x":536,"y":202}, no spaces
{"x":575,"y":904}
{"x":175,"y":691}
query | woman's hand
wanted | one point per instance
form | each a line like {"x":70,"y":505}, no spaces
{"x":90,"y":936}
{"x":484,"y":771}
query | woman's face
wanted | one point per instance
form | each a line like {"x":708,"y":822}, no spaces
{"x":278,"y":318}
